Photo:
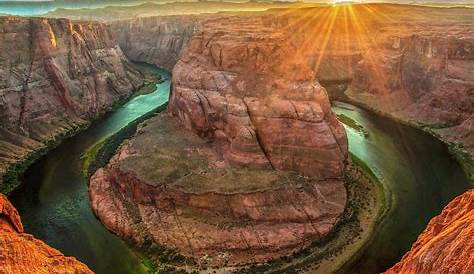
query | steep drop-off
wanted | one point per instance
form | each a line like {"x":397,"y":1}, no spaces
{"x":249,"y":166}
{"x":22,"y":253}
{"x":446,"y":245}
{"x":55,"y":76}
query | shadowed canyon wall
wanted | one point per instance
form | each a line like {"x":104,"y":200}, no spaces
{"x":22,"y":253}
{"x":156,"y":40}
{"x":55,"y":76}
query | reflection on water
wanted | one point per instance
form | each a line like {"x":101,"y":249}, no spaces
{"x":421,"y":174}
{"x":54,"y":202}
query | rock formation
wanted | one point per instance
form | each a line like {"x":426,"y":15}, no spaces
{"x":248,"y":167}
{"x":446,"y":245}
{"x":252,"y":96}
{"x":55,"y":75}
{"x":22,"y":253}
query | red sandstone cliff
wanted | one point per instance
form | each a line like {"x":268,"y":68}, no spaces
{"x":55,"y":75}
{"x":246,"y":89}
{"x":446,"y":245}
{"x":22,"y":253}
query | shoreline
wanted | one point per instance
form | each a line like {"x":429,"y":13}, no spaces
{"x":11,"y":178}
{"x":462,"y":156}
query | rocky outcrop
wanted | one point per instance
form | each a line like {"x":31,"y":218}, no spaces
{"x":446,"y":245}
{"x":249,"y":167}
{"x":22,"y":253}
{"x":55,"y":75}
{"x":156,"y":40}
{"x":255,"y":98}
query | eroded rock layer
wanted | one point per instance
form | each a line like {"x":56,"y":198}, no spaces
{"x":247,"y":166}
{"x":54,"y":76}
{"x":22,"y":253}
{"x":446,"y":245}
{"x":244,"y":88}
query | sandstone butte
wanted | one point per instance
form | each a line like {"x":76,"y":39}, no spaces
{"x":248,"y":163}
{"x":22,"y":253}
{"x":55,"y":76}
{"x":447,"y":244}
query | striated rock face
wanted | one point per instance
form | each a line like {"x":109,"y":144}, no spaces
{"x":54,"y":76}
{"x":156,"y":40}
{"x":248,"y":164}
{"x":247,"y":91}
{"x":22,"y":253}
{"x":446,"y":245}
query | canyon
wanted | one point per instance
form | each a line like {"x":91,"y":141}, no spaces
{"x":22,"y":253}
{"x":232,"y":154}
{"x":55,"y":77}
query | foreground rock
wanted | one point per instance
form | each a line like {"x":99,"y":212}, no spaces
{"x":55,"y":76}
{"x":248,"y":168}
{"x":22,"y":253}
{"x":446,"y":245}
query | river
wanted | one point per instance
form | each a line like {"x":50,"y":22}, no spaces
{"x":54,"y":202}
{"x":417,"y":168}
{"x":420,"y":173}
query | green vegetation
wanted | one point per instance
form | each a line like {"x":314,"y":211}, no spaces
{"x":346,"y":120}
{"x":464,"y":158}
{"x":100,"y":153}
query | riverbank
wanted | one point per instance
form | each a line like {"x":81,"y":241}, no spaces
{"x":465,"y":159}
{"x":11,"y":177}
{"x":100,"y":153}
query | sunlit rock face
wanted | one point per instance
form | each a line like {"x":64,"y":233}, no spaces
{"x":246,"y":166}
{"x":249,"y":93}
{"x":54,"y":76}
{"x":22,"y":253}
{"x":156,"y":40}
{"x":446,"y":245}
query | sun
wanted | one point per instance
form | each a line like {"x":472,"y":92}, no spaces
{"x":345,"y":2}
